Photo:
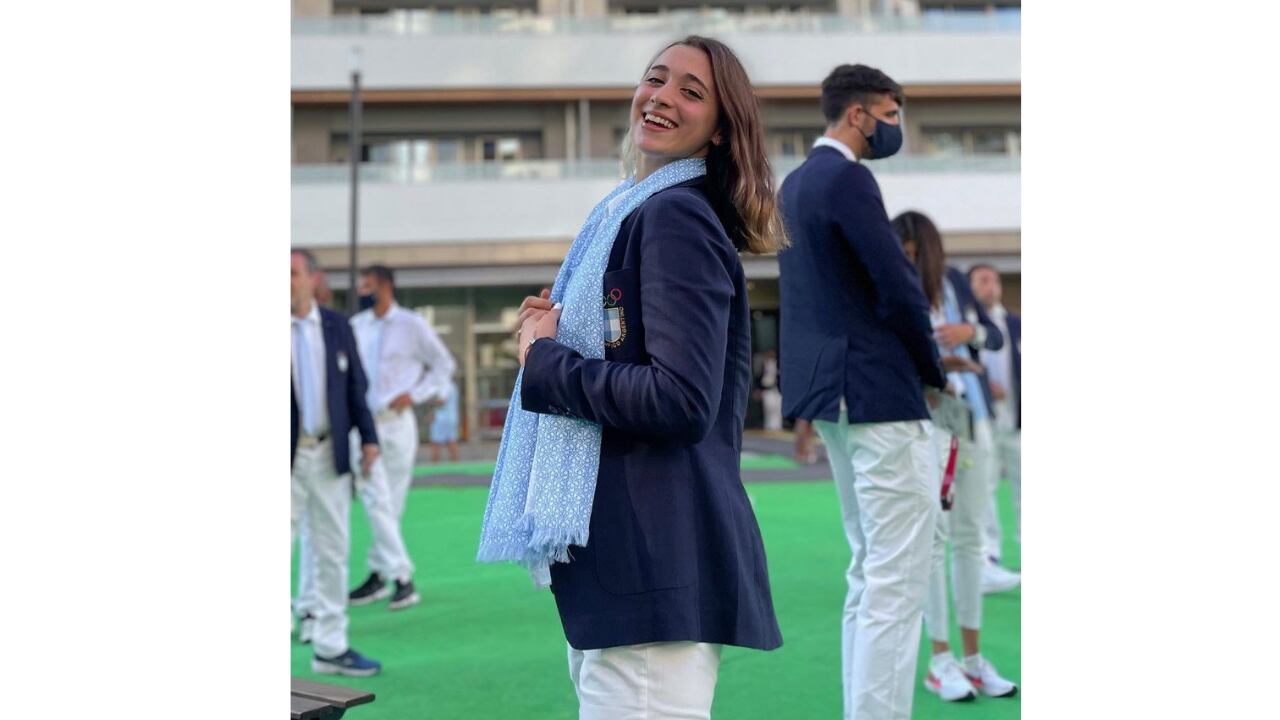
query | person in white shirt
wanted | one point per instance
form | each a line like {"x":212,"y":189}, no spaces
{"x":1004,"y":373}
{"x":407,"y":365}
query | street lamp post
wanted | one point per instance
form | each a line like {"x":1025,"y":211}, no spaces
{"x":355,"y":150}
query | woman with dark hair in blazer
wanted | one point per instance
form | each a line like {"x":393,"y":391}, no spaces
{"x":618,"y":476}
{"x":964,"y":414}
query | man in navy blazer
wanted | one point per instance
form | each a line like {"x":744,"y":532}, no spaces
{"x":326,"y":400}
{"x":857,"y":353}
{"x":977,"y":333}
{"x":1004,"y":374}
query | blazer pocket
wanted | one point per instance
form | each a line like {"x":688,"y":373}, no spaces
{"x":652,"y":542}
{"x":620,"y":302}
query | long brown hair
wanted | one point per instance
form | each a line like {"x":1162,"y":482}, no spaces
{"x":931,"y":261}
{"x":739,"y":181}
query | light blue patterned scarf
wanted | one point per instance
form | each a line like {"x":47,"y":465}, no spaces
{"x":545,"y":479}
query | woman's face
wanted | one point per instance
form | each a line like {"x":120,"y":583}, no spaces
{"x":674,"y":111}
{"x":910,"y":248}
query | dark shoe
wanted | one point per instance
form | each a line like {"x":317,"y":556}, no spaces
{"x":404,"y":596}
{"x":372,"y":590}
{"x":306,"y":628}
{"x":349,"y":663}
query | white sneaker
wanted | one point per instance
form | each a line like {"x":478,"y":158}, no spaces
{"x":996,"y":579}
{"x":306,"y":628}
{"x":985,"y":679}
{"x":947,"y":680}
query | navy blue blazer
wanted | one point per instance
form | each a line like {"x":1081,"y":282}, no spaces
{"x":855,"y":321}
{"x":674,"y":551}
{"x":973,"y":310}
{"x":1014,"y":322}
{"x":345,"y":390}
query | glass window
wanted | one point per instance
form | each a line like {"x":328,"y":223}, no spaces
{"x":943,"y":142}
{"x":991,"y":140}
{"x":788,"y":142}
{"x":509,"y":149}
{"x":448,"y":150}
{"x":425,"y":150}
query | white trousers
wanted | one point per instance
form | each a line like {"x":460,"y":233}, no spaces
{"x":388,"y":555}
{"x":885,"y":476}
{"x":1006,"y":463}
{"x":655,"y":681}
{"x":963,"y":525}
{"x":384,"y":493}
{"x":398,"y":446}
{"x":321,"y":503}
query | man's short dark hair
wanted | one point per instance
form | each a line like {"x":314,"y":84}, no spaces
{"x":313,"y":267}
{"x":381,"y":273}
{"x":982,"y":266}
{"x":849,"y":84}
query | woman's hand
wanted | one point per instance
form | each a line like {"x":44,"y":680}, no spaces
{"x":956,"y":363}
{"x":533,"y":305}
{"x":954,"y":335}
{"x":538,"y":324}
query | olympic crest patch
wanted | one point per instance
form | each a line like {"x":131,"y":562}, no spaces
{"x":615,"y":321}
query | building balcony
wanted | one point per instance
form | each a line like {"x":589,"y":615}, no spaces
{"x":560,"y":56}
{"x":502,"y":223}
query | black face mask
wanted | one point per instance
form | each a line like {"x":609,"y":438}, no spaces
{"x":885,"y":140}
{"x":367,"y":301}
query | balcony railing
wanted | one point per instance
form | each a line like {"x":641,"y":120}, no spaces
{"x":675,"y":23}
{"x":608,"y":168}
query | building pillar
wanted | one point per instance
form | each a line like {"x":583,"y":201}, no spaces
{"x":312,"y":8}
{"x":471,"y":390}
{"x":570,"y":132}
{"x":852,"y":8}
{"x":584,"y":129}
{"x":551,"y":8}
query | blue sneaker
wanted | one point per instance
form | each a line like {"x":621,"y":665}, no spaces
{"x":349,"y":663}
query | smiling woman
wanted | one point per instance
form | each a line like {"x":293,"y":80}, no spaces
{"x":706,"y":107}
{"x":618,"y":477}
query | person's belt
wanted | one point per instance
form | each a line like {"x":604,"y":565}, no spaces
{"x":387,"y":415}
{"x":310,"y":441}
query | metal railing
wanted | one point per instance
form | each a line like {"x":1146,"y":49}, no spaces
{"x":675,"y":23}
{"x":397,"y":174}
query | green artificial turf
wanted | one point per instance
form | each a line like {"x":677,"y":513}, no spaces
{"x":485,"y":644}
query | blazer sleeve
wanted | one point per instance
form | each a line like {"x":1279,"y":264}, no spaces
{"x":993,"y":338}
{"x":357,"y":389}
{"x":900,"y":300}
{"x":685,"y":295}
